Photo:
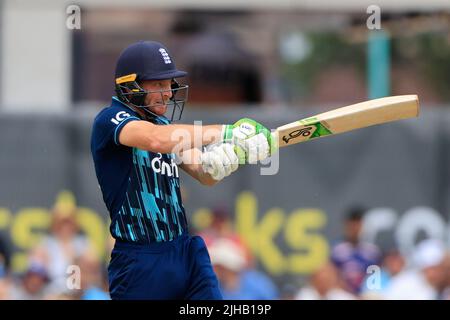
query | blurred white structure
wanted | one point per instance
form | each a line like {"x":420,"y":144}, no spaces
{"x":35,"y":57}
{"x":342,"y":5}
{"x":35,"y":44}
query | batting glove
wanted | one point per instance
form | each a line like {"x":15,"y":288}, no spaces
{"x":253,"y":141}
{"x":219,"y":160}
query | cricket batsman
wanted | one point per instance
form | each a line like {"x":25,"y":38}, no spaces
{"x":132,"y":145}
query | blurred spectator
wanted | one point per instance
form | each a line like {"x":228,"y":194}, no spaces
{"x":5,"y":253}
{"x":221,"y":225}
{"x":62,"y":296}
{"x":324,"y":284}
{"x":92,"y":277}
{"x":427,"y":279}
{"x":351,"y":256}
{"x":33,"y":284}
{"x":228,"y":261}
{"x":4,"y":281}
{"x":233,"y":262}
{"x":5,"y":288}
{"x":237,"y":281}
{"x":393,"y":263}
{"x":60,"y":247}
{"x":3,"y":271}
{"x":288,"y":291}
{"x":446,"y":292}
{"x":259,"y":284}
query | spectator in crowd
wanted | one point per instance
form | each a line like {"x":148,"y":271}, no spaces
{"x":33,"y":284}
{"x":4,"y":281}
{"x":222,"y":227}
{"x":324,"y":284}
{"x":237,"y":281}
{"x":5,"y":288}
{"x":426,"y":279}
{"x":351,"y":256}
{"x":3,"y":271}
{"x":446,"y":292}
{"x":59,"y":249}
{"x":92,"y":277}
{"x":392,"y":264}
{"x":288,"y":291}
{"x":5,"y":252}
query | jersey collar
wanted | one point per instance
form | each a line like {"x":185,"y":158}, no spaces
{"x":161,"y":120}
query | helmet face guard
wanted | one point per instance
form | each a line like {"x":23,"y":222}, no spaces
{"x":130,"y":92}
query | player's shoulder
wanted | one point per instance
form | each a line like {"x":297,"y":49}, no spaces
{"x":115,"y":113}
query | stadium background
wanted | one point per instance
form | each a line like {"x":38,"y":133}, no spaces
{"x":276,"y":61}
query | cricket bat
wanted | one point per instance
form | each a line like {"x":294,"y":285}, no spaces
{"x":348,"y":118}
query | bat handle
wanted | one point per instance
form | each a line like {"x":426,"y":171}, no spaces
{"x":274,"y":142}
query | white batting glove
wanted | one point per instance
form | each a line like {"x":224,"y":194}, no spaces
{"x":257,"y":148}
{"x":219,"y":160}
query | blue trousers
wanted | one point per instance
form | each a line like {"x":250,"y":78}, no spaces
{"x":174,"y":270}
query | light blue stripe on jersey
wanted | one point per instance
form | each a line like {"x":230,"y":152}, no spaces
{"x":131,"y":233}
{"x":156,"y":186}
{"x":117,"y":230}
{"x":136,"y":212}
{"x":149,"y":199}
{"x":132,"y":211}
{"x":170,"y":231}
{"x":139,"y":218}
{"x":174,"y":197}
{"x":142,"y":161}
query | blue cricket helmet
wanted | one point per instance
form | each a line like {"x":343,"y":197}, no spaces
{"x":147,"y":60}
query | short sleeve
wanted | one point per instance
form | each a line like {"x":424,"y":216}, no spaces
{"x":109,"y":123}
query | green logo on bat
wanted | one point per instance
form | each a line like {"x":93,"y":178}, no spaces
{"x":314,"y":130}
{"x":306,"y":121}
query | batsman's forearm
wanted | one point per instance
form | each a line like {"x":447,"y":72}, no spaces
{"x":181,"y":137}
{"x":191,"y":164}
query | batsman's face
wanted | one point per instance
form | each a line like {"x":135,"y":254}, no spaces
{"x":160,"y":93}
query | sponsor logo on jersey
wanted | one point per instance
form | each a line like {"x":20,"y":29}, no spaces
{"x":163,"y":167}
{"x":120,"y":116}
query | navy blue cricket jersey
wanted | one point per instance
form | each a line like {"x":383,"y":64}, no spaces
{"x":141,"y":189}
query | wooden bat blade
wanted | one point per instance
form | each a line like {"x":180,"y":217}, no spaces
{"x":348,"y":118}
